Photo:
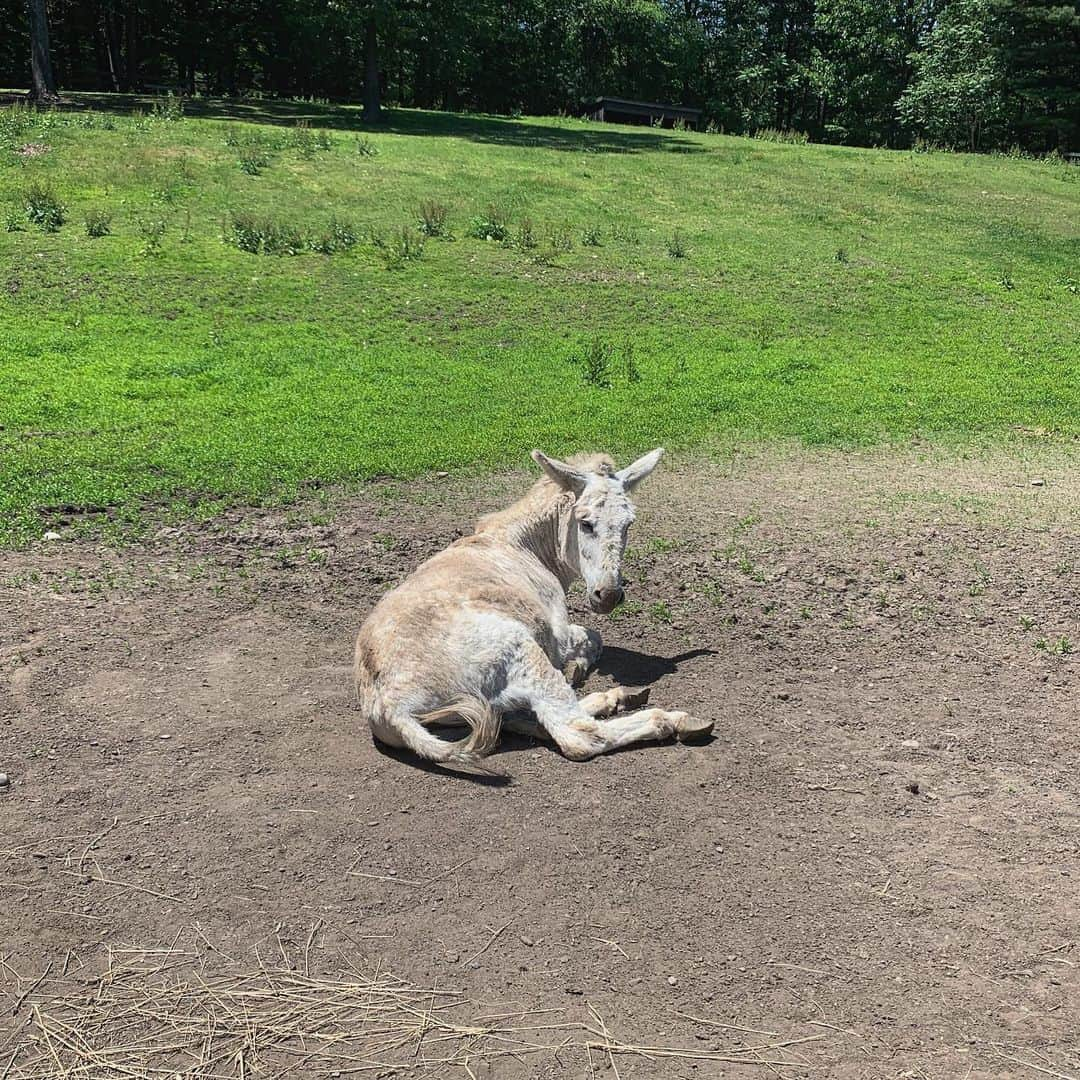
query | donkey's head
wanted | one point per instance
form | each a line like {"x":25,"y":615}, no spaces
{"x":602,"y":516}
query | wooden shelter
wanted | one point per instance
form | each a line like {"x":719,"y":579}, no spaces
{"x":622,"y":111}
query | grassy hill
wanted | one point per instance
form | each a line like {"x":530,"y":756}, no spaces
{"x":651,"y":287}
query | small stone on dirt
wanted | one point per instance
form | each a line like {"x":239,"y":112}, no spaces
{"x":913,"y":787}
{"x":672,"y":981}
{"x":910,"y":744}
{"x":1038,"y":483}
{"x":4,"y":781}
{"x":50,"y":535}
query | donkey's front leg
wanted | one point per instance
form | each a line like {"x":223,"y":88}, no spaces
{"x":581,"y":650}
{"x":580,"y":734}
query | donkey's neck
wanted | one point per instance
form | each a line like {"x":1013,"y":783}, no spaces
{"x":534,"y":524}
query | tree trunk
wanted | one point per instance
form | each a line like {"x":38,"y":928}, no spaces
{"x":131,"y":50}
{"x":112,"y":48}
{"x":372,"y":109}
{"x":43,"y":81}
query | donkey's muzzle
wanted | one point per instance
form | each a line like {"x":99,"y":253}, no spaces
{"x":605,"y":600}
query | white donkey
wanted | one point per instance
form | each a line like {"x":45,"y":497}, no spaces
{"x":480,"y":633}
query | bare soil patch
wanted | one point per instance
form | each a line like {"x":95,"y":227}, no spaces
{"x":877,"y":854}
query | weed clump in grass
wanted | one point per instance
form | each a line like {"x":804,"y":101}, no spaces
{"x":365,"y":147}
{"x":307,"y":142}
{"x":281,"y":238}
{"x":524,"y":236}
{"x":254,"y":160}
{"x":782,"y":135}
{"x":169,"y":108}
{"x":492,"y":224}
{"x":17,"y":123}
{"x":398,"y":247}
{"x":599,"y":362}
{"x":302,"y":140}
{"x":152,"y":231}
{"x":13,"y":220}
{"x":434,"y":219}
{"x":43,"y":209}
{"x":559,"y":240}
{"x":98,"y":223}
{"x":340,"y":236}
{"x":676,"y":246}
{"x":590,"y":236}
{"x":594,"y":361}
{"x":263,"y":236}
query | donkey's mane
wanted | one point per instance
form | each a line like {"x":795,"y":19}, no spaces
{"x":543,"y":497}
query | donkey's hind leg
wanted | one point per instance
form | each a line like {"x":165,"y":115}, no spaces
{"x":535,"y":684}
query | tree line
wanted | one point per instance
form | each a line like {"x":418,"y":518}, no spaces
{"x":971,"y":74}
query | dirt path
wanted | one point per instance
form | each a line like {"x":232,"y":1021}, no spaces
{"x":878,"y":850}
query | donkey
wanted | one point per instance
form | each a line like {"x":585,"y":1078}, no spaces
{"x":480,"y":635}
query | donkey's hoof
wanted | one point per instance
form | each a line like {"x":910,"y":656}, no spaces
{"x":691,"y":729}
{"x":576,"y":672}
{"x":634,"y":699}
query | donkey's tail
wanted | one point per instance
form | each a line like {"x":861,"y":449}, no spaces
{"x":484,"y":726}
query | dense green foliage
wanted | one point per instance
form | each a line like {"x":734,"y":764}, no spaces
{"x":455,"y":290}
{"x":835,"y":69}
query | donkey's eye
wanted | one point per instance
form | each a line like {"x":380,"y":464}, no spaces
{"x":589,"y":527}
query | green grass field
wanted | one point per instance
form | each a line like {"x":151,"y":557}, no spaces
{"x":826,"y":294}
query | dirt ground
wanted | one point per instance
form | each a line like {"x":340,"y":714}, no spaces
{"x":876,"y":854}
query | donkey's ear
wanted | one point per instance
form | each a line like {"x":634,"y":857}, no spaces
{"x":636,"y":471}
{"x":566,"y":476}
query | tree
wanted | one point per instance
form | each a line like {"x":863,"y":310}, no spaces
{"x":1040,"y":51}
{"x":957,"y":88}
{"x":372,"y":93}
{"x":42,"y":79}
{"x":861,"y":65}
